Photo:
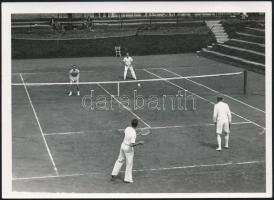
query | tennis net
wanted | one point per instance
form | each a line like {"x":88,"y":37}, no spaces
{"x":225,"y":83}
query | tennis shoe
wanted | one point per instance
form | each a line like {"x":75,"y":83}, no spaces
{"x":78,"y":93}
{"x":70,"y":93}
{"x":218,"y":149}
{"x":112,"y":178}
{"x":128,"y":181}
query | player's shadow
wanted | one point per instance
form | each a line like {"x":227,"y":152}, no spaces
{"x":208,"y":144}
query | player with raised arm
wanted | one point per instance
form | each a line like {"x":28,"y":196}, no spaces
{"x":74,"y":76}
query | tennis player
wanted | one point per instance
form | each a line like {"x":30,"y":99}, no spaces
{"x":74,"y":76}
{"x":222,"y":120}
{"x":127,"y":153}
{"x":128,"y":65}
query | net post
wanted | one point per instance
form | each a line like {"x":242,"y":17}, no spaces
{"x":118,"y":88}
{"x":245,"y":81}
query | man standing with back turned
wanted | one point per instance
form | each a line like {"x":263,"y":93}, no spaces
{"x":222,"y":121}
{"x":127,"y":153}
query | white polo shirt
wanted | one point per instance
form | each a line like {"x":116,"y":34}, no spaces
{"x":74,"y":74}
{"x":128,"y":61}
{"x":221,"y":112}
{"x":130,"y":135}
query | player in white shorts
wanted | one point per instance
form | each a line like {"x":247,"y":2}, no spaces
{"x":74,"y":76}
{"x":222,"y":120}
{"x":128,"y":65}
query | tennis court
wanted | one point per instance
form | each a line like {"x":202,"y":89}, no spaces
{"x":61,"y":146}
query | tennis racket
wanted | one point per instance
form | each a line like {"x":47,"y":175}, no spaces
{"x":144,"y":131}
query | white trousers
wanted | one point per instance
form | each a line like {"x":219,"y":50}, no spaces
{"x":131,"y":70}
{"x":126,"y":154}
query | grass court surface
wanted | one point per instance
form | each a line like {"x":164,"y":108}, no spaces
{"x":50,"y":129}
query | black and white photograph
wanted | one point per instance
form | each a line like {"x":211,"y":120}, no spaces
{"x":137,"y":99}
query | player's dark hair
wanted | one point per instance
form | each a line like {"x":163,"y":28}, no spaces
{"x":134,"y":123}
{"x":219,"y":99}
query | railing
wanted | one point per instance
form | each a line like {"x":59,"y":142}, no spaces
{"x":120,"y":19}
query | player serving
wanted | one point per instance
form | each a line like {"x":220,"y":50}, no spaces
{"x":74,"y":75}
{"x":128,"y":65}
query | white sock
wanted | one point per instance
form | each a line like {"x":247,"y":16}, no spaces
{"x":219,"y":140}
{"x":125,"y":74}
{"x":226,"y":139}
{"x":133,"y":73}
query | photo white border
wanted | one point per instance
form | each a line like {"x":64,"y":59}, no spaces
{"x":90,"y":7}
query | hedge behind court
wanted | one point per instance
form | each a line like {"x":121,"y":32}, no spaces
{"x":136,"y":45}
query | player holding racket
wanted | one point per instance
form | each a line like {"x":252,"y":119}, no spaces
{"x":127,"y":153}
{"x":74,"y":76}
{"x":128,"y":65}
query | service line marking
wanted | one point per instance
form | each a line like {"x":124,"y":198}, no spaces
{"x":127,"y":108}
{"x":205,"y":99}
{"x":144,"y":128}
{"x":239,"y":101}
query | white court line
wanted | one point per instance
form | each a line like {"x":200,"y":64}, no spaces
{"x":186,"y":126}
{"x":205,"y":99}
{"x":81,"y":132}
{"x":249,"y":162}
{"x":153,"y":128}
{"x":65,"y":133}
{"x":26,"y":73}
{"x":142,"y":170}
{"x":214,"y":90}
{"x":31,"y":73}
{"x":186,"y":167}
{"x":124,"y":106}
{"x":41,"y":131}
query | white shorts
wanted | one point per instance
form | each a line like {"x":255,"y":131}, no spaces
{"x":74,"y":80}
{"x":222,"y":126}
{"x":128,"y":66}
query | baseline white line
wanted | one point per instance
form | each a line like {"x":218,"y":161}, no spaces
{"x":26,"y":73}
{"x":39,"y":125}
{"x":143,"y":170}
{"x":205,"y":99}
{"x":214,"y":90}
{"x":31,"y":73}
{"x":153,"y":128}
{"x":249,"y":162}
{"x":124,"y":106}
{"x":183,"y":167}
